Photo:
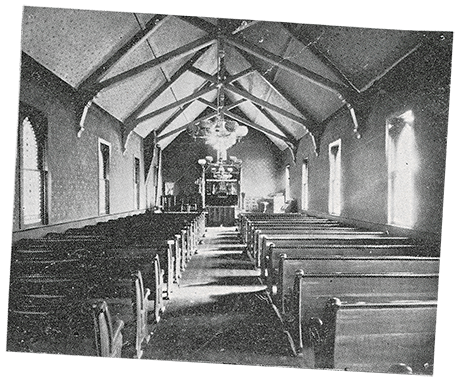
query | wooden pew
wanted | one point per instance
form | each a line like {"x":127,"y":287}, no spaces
{"x":57,"y":248}
{"x":271,"y":261}
{"x":283,"y":287}
{"x":373,"y":337}
{"x":44,"y":294}
{"x":312,"y":291}
{"x":301,"y":223}
{"x":262,"y":236}
{"x":248,"y":219}
{"x":349,"y":238}
{"x":92,"y":333}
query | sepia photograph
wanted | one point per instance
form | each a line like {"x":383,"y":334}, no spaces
{"x":230,"y":191}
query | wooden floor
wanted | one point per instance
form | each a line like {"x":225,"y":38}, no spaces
{"x":220,"y":312}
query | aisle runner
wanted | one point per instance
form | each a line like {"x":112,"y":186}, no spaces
{"x":220,"y":313}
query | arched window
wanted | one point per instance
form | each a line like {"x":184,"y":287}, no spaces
{"x":32,"y":168}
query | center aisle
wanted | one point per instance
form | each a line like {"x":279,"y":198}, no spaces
{"x":220,"y":312}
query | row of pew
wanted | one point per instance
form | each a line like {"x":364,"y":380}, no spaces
{"x":97,"y":290}
{"x":356,"y":299}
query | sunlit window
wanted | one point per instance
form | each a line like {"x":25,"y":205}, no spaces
{"x":402,"y":165}
{"x":104,"y":177}
{"x":287,"y":181}
{"x":137,"y":183}
{"x":305,"y":185}
{"x":31,"y":177}
{"x":335,"y":178}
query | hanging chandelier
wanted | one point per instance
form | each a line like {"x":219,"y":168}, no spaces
{"x":220,"y":133}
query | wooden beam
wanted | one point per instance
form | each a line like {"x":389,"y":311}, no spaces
{"x":137,"y":39}
{"x":280,"y":127}
{"x":200,"y":23}
{"x":340,"y":90}
{"x":166,"y":85}
{"x":228,"y":107}
{"x":280,"y":92}
{"x":307,"y":41}
{"x":239,"y":75}
{"x":170,"y":56}
{"x":175,"y":104}
{"x":247,"y":24}
{"x":267,"y":105}
{"x":175,"y":115}
{"x":179,"y":129}
{"x":178,"y":112}
{"x":202,"y":74}
{"x":212,"y":105}
{"x":256,"y":126}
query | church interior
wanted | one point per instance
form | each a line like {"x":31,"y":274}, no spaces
{"x":184,"y":185}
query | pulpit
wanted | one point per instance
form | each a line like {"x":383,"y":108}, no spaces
{"x":222,"y":191}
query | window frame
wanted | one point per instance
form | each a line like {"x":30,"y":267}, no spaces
{"x":408,"y":173}
{"x":39,"y":125}
{"x":335,"y":199}
{"x":107,"y":203}
{"x":137,"y":182}
{"x":287,"y":184}
{"x":305,"y":190}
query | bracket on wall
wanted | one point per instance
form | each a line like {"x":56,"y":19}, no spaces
{"x":83,"y":102}
{"x":126,"y":131}
{"x":316,"y":142}
{"x":293,"y":148}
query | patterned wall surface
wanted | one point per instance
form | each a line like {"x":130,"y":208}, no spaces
{"x":73,"y":161}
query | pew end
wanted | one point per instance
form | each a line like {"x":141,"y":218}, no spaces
{"x":396,"y":337}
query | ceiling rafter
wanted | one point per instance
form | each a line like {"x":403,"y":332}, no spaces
{"x":280,"y":127}
{"x":239,"y":75}
{"x":175,"y":115}
{"x":203,"y":74}
{"x":224,"y":108}
{"x":167,"y":57}
{"x":306,"y":40}
{"x":175,"y":104}
{"x":129,"y":46}
{"x":200,"y":23}
{"x":245,"y":25}
{"x":178,"y":112}
{"x":265,"y":104}
{"x":166,"y":85}
{"x":256,"y":126}
{"x":340,"y":90}
{"x":283,"y":94}
{"x":183,"y":127}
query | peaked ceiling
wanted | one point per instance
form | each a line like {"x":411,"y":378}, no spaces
{"x":161,"y":73}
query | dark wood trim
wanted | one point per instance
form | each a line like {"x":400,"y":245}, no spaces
{"x":307,"y":41}
{"x":239,"y":75}
{"x":267,"y":105}
{"x":340,"y":90}
{"x":170,"y":56}
{"x":140,"y":36}
{"x":177,"y":103}
{"x":203,"y":74}
{"x":179,"y":129}
{"x":256,"y":126}
{"x":200,"y":23}
{"x":166,"y":85}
